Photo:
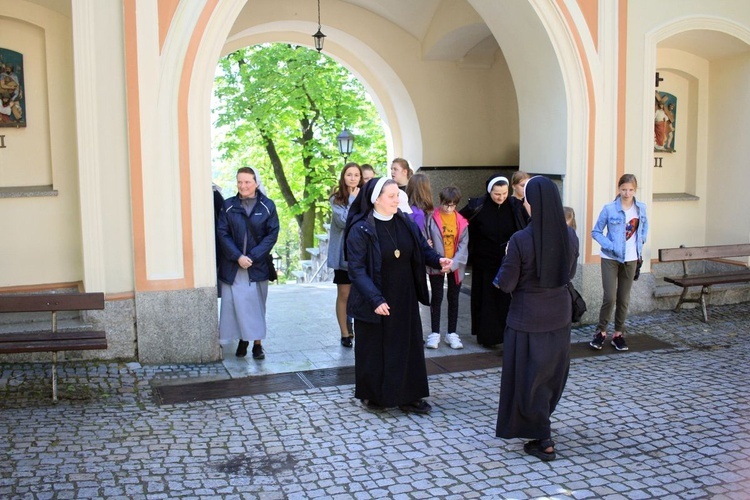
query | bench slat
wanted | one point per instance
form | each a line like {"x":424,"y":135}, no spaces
{"x":49,"y":342}
{"x":51,"y":302}
{"x":709,"y":279}
{"x":42,"y":336}
{"x":699,"y":253}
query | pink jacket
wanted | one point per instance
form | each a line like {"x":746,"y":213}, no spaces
{"x":461,"y":256}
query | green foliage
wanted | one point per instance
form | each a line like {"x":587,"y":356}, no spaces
{"x":279,"y":108}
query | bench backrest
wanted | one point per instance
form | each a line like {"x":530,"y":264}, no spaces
{"x":698,"y":253}
{"x":51,"y":302}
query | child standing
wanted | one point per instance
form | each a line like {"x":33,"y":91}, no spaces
{"x":419,"y":195}
{"x":448,"y":231}
{"x":570,"y":217}
{"x":626,"y":227}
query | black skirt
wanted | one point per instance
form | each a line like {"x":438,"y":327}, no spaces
{"x":389,"y":355}
{"x":535,"y":370}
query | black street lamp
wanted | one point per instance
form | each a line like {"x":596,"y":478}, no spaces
{"x":318,"y":36}
{"x":346,"y":143}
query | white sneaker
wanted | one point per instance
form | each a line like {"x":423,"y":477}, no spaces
{"x":433,"y":341}
{"x":452,"y":340}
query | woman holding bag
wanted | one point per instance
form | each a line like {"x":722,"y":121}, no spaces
{"x":248,"y":228}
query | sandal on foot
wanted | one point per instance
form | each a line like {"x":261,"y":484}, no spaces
{"x":420,"y":406}
{"x":537,"y":449}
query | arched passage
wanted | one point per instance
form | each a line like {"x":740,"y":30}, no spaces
{"x":389,"y":94}
{"x":706,"y":61}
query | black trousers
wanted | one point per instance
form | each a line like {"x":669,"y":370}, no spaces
{"x":436,"y":301}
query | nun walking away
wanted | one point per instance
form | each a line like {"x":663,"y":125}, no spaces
{"x":540,"y":262}
{"x":387,"y":253}
{"x":248,"y":228}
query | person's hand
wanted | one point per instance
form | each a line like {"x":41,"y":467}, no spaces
{"x":244,"y":262}
{"x":354,"y":191}
{"x":429,"y":242}
{"x":445,"y":265}
{"x":383,"y":310}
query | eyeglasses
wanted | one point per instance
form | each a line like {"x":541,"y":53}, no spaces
{"x":449,"y":205}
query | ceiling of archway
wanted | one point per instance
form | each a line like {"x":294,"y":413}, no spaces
{"x":413,"y":16}
{"x":706,"y":44}
{"x":448,"y":30}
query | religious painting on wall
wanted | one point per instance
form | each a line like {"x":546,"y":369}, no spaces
{"x":13,"y":105}
{"x":665,"y":113}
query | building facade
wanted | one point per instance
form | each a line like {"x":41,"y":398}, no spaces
{"x":107,"y":186}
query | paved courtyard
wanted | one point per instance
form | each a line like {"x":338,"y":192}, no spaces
{"x":671,"y":423}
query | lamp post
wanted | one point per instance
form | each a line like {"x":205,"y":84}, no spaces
{"x":346,"y":143}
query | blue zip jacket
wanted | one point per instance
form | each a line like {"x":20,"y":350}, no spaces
{"x":364,"y":259}
{"x":232,"y":231}
{"x":612,"y":217}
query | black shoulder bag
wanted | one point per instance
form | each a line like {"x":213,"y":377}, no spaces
{"x":579,"y":305}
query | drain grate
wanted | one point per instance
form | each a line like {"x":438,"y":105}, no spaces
{"x":330,"y":377}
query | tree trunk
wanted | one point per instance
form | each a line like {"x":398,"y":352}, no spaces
{"x":308,"y":232}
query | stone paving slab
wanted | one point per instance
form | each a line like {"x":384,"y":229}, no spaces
{"x":660,"y":424}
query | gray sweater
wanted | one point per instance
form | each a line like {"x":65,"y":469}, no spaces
{"x":336,"y":235}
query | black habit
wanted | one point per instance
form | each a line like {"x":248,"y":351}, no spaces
{"x":489,"y":231}
{"x":388,"y":351}
{"x":540,"y":262}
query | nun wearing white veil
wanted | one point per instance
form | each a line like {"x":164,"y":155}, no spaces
{"x":386,"y":255}
{"x":247,"y":229}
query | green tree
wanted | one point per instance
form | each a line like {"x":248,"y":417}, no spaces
{"x":279,"y":107}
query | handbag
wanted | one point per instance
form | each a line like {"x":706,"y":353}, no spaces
{"x":638,"y":270}
{"x":272,"y":274}
{"x":579,"y":305}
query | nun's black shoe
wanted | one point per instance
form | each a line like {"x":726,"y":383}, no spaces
{"x":372,"y":405}
{"x":258,"y":352}
{"x":346,"y":341}
{"x":421,"y":406}
{"x":242,"y":348}
{"x":537,"y":449}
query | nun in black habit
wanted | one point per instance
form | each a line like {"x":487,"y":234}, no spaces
{"x":493,"y":218}
{"x":541,"y":261}
{"x":386,"y":255}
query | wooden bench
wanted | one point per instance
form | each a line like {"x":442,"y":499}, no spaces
{"x":705,"y":280}
{"x":52,"y":340}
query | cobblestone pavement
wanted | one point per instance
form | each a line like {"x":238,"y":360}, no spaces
{"x":673,"y":423}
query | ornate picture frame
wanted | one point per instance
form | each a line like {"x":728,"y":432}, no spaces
{"x":12,"y":89}
{"x":665,"y":115}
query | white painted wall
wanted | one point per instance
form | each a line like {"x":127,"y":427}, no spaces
{"x":682,"y":221}
{"x":729,"y":152}
{"x":41,"y":237}
{"x":690,"y":223}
